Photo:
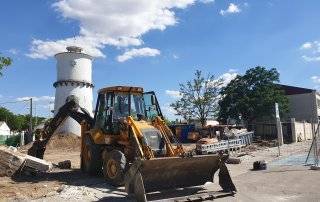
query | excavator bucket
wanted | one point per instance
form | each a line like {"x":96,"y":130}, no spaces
{"x":158,"y":174}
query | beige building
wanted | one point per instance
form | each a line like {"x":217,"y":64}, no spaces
{"x":304,"y":103}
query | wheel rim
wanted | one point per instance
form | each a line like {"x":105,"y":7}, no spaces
{"x":112,"y":170}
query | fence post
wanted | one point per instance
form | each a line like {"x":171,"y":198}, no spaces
{"x":304,"y":131}
{"x":293,"y":130}
{"x":21,"y":138}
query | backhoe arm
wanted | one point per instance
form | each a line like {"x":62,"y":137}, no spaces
{"x":70,"y":109}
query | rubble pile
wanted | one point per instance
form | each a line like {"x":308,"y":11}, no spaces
{"x":9,"y":162}
{"x":12,"y":161}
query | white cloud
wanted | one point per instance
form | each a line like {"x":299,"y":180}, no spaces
{"x":13,"y":51}
{"x":47,"y":106}
{"x":175,"y":56}
{"x":169,"y":112}
{"x":228,"y":76}
{"x":316,"y":79}
{"x":306,"y":45}
{"x":119,"y":23}
{"x":44,"y":49}
{"x":207,"y":1}
{"x":36,"y":99}
{"x":173,"y":94}
{"x":232,"y":8}
{"x":141,"y":52}
{"x":232,"y":70}
{"x":311,"y":58}
{"x":311,"y":51}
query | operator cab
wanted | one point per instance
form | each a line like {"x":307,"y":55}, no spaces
{"x":115,"y":104}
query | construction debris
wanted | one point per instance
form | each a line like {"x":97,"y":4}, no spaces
{"x":64,"y":164}
{"x":231,"y":160}
{"x":208,"y":141}
{"x":259,"y":165}
{"x":11,"y":161}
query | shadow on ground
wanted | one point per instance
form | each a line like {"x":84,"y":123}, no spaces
{"x":75,"y":177}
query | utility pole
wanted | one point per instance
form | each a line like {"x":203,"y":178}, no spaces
{"x":35,"y":114}
{"x":30,"y":126}
{"x":279,"y":128}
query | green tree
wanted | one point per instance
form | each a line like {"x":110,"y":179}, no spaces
{"x":4,"y":62}
{"x":251,"y":97}
{"x":18,"y":122}
{"x":198,"y":98}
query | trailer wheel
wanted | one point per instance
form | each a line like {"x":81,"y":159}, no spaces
{"x":114,"y":167}
{"x":91,"y":161}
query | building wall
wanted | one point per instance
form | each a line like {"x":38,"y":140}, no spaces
{"x":303,"y":107}
{"x":4,"y":133}
{"x":4,"y":130}
{"x":318,"y":103}
{"x":301,"y":131}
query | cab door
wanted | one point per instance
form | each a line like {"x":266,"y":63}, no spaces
{"x":152,"y":107}
{"x":103,"y":115}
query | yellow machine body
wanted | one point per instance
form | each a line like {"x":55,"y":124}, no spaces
{"x":147,"y":170}
{"x":130,"y":143}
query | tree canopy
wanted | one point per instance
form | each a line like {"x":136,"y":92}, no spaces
{"x":252,"y":97}
{"x":17,"y":122}
{"x":199,"y":98}
{"x":4,"y":62}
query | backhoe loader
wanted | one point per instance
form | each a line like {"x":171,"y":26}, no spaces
{"x":130,"y":143}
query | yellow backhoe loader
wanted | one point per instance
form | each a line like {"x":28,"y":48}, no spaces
{"x":129,"y":142}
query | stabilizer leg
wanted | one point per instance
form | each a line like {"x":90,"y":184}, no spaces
{"x":225,"y":180}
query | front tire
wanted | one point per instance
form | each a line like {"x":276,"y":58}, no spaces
{"x":114,"y":167}
{"x":91,"y":161}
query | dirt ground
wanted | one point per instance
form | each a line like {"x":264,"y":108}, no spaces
{"x":286,"y":179}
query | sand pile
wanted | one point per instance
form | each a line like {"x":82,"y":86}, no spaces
{"x":59,"y":142}
{"x":64,"y":141}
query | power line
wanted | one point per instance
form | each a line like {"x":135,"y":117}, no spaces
{"x":11,"y":102}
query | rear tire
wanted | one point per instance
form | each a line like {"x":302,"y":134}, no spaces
{"x":114,"y":167}
{"x":91,"y":161}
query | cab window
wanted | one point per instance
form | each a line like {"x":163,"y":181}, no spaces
{"x":121,"y":106}
{"x":103,"y":115}
{"x":137,"y":106}
{"x":151,"y":109}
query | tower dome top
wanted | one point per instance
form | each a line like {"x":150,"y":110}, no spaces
{"x":74,"y":49}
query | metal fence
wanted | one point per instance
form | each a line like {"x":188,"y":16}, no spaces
{"x":236,"y":144}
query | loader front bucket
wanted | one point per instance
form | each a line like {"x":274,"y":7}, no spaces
{"x":158,"y":174}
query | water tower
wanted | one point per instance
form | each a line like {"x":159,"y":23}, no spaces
{"x":74,"y":77}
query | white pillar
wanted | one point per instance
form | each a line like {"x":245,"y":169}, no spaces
{"x":293,"y":130}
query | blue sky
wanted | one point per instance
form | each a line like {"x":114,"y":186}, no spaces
{"x":162,"y":43}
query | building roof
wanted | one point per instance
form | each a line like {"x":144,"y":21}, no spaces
{"x":2,"y":122}
{"x":293,"y":90}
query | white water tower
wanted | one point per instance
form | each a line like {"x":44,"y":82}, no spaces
{"x":74,"y":77}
